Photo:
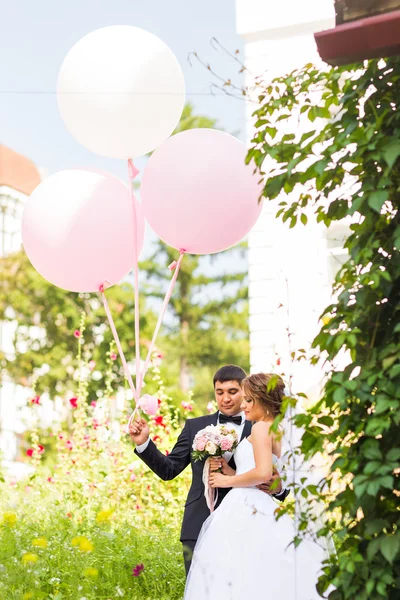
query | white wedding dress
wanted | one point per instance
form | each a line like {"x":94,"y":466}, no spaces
{"x":243,"y":552}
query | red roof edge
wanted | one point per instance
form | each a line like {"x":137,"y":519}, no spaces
{"x":373,"y":37}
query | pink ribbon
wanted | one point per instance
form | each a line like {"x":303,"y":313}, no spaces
{"x":210,"y":494}
{"x":132,"y":172}
{"x":117,"y":341}
{"x":139,"y":382}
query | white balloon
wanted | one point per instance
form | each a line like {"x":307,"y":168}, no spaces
{"x":121,"y":91}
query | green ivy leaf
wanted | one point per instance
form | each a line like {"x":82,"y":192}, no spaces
{"x":377,"y":199}
{"x":392,"y":152}
{"x":390,"y":547}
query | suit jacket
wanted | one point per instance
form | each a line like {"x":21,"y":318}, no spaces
{"x":168,"y":467}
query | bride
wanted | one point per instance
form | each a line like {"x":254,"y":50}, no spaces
{"x":242,"y":551}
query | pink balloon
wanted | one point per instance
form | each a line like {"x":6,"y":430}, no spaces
{"x":198,"y":194}
{"x":148,"y":404}
{"x":78,"y":230}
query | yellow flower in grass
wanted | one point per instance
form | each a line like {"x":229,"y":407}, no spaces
{"x":104,"y":515}
{"x":83,"y":544}
{"x":29,"y":557}
{"x":9,"y":518}
{"x":40,"y":542}
{"x":91,"y":572}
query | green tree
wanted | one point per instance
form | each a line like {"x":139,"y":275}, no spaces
{"x":358,"y":416}
{"x":208,"y":316}
{"x":45,"y":319}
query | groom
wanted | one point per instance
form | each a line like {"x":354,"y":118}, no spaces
{"x":228,"y":395}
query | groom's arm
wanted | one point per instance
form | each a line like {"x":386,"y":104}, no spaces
{"x":167,"y":467}
{"x":282,"y":495}
{"x":274,"y":484}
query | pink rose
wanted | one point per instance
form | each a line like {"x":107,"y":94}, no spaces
{"x":201,"y":443}
{"x":226,"y":444}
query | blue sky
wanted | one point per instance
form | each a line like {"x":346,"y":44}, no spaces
{"x":36,"y":35}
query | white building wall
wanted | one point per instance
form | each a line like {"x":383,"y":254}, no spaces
{"x":290,"y":271}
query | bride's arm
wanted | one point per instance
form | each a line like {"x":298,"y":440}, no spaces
{"x":262,"y":447}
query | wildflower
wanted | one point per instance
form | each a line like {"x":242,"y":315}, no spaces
{"x":29,"y":557}
{"x":160,"y":421}
{"x":40,"y":542}
{"x":35,"y":400}
{"x":136,"y":571}
{"x":84,"y":545}
{"x":9,"y":518}
{"x":91,"y":572}
{"x":103,"y":516}
{"x":39,"y":449}
{"x":77,"y":333}
{"x":73,"y":402}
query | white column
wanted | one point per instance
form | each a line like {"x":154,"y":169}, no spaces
{"x":288,"y":269}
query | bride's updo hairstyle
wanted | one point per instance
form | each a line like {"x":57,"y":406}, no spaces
{"x":256,"y":388}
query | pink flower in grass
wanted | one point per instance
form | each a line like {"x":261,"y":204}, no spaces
{"x":136,"y":571}
{"x":73,"y":402}
{"x":77,"y":333}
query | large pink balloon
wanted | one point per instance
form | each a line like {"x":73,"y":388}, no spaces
{"x":197,"y":193}
{"x":78,"y":230}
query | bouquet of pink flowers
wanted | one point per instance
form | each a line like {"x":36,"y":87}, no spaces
{"x":212,"y":441}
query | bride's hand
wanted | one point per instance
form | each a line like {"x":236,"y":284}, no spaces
{"x":217,"y":480}
{"x":220,"y":463}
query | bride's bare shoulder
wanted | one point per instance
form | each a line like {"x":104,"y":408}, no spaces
{"x":261,"y":428}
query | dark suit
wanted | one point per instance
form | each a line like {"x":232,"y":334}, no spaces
{"x":168,"y":467}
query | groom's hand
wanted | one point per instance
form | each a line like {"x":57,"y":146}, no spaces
{"x":139,"y":431}
{"x":273,"y":486}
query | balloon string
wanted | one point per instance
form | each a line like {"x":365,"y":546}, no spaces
{"x":132,"y":172}
{"x":175,"y":266}
{"x":117,"y":341}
